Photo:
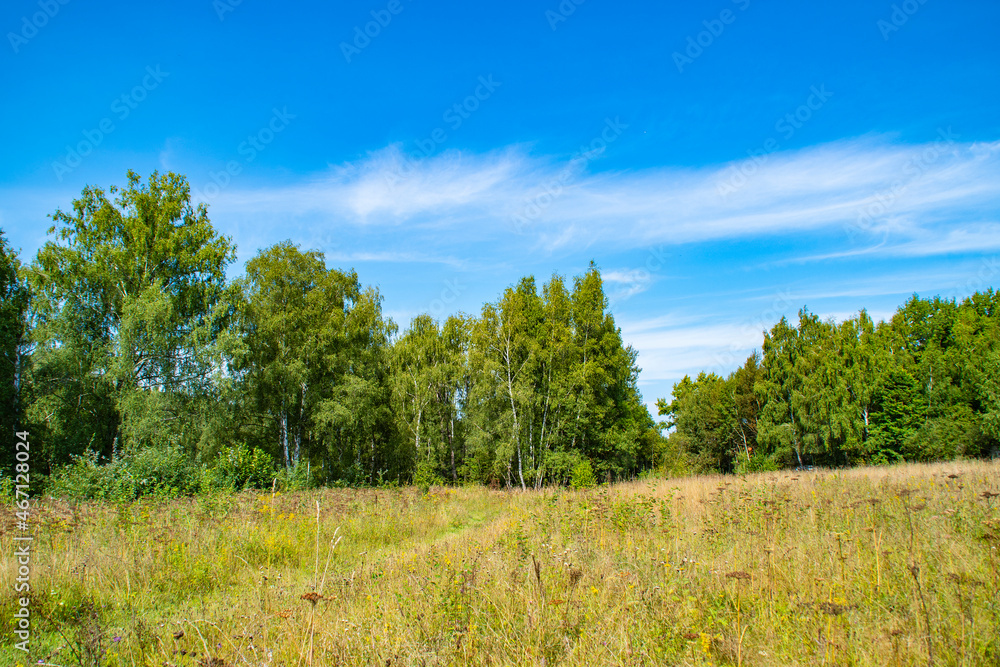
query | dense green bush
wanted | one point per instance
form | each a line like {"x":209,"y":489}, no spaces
{"x":425,"y":476}
{"x":758,"y":462}
{"x":6,"y":489}
{"x":151,"y":472}
{"x":297,"y":478}
{"x":239,"y":468}
{"x":583,"y":475}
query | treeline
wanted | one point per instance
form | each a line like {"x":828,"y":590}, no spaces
{"x":923,"y":386}
{"x":137,"y":367}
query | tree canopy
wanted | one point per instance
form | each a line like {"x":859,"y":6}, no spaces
{"x":125,"y":318}
{"x":128,"y":353}
{"x":922,"y":386}
{"x":13,"y":314}
{"x":144,"y":355}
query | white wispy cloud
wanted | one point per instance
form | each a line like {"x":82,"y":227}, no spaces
{"x":623,"y":284}
{"x":501,"y":212}
{"x":911,"y":195}
{"x":393,"y":257}
{"x":670,"y":352}
{"x":981,"y":237}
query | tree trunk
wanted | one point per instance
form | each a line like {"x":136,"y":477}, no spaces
{"x":451,"y":446}
{"x":420,"y":413}
{"x":284,"y":440}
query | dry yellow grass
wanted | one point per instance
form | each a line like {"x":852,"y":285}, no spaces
{"x":879,"y":566}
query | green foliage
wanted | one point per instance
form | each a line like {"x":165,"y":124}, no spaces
{"x":553,"y":377}
{"x":700,"y":412}
{"x":991,"y":396}
{"x":922,"y":386}
{"x":241,"y":467}
{"x":309,"y":350}
{"x":14,"y":300}
{"x":298,"y":478}
{"x":6,"y":489}
{"x":141,"y":346}
{"x":583,"y":475}
{"x":886,"y":457}
{"x":898,"y":410}
{"x":671,"y":457}
{"x":758,"y":462}
{"x":430,"y":378}
{"x":124,"y":319}
{"x":145,"y":363}
{"x":425,"y":476}
{"x":150,"y":472}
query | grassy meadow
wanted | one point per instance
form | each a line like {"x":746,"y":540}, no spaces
{"x":877,"y":566}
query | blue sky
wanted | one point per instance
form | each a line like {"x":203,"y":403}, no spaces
{"x":725,"y":163}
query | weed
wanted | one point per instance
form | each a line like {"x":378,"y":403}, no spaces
{"x":890,"y":565}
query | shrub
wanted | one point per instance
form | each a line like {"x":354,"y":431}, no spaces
{"x":294,"y":479}
{"x":166,"y":473}
{"x":583,"y":475}
{"x":83,"y":479}
{"x":6,"y":489}
{"x":239,"y":468}
{"x":426,"y":476}
{"x":759,"y":462}
{"x":151,"y":472}
{"x":671,"y":456}
{"x":886,"y":457}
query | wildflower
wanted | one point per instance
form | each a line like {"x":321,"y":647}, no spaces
{"x":313,"y":597}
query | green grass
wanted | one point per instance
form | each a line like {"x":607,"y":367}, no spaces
{"x":878,"y":566}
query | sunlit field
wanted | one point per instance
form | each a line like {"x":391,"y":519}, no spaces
{"x":876,"y":566}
